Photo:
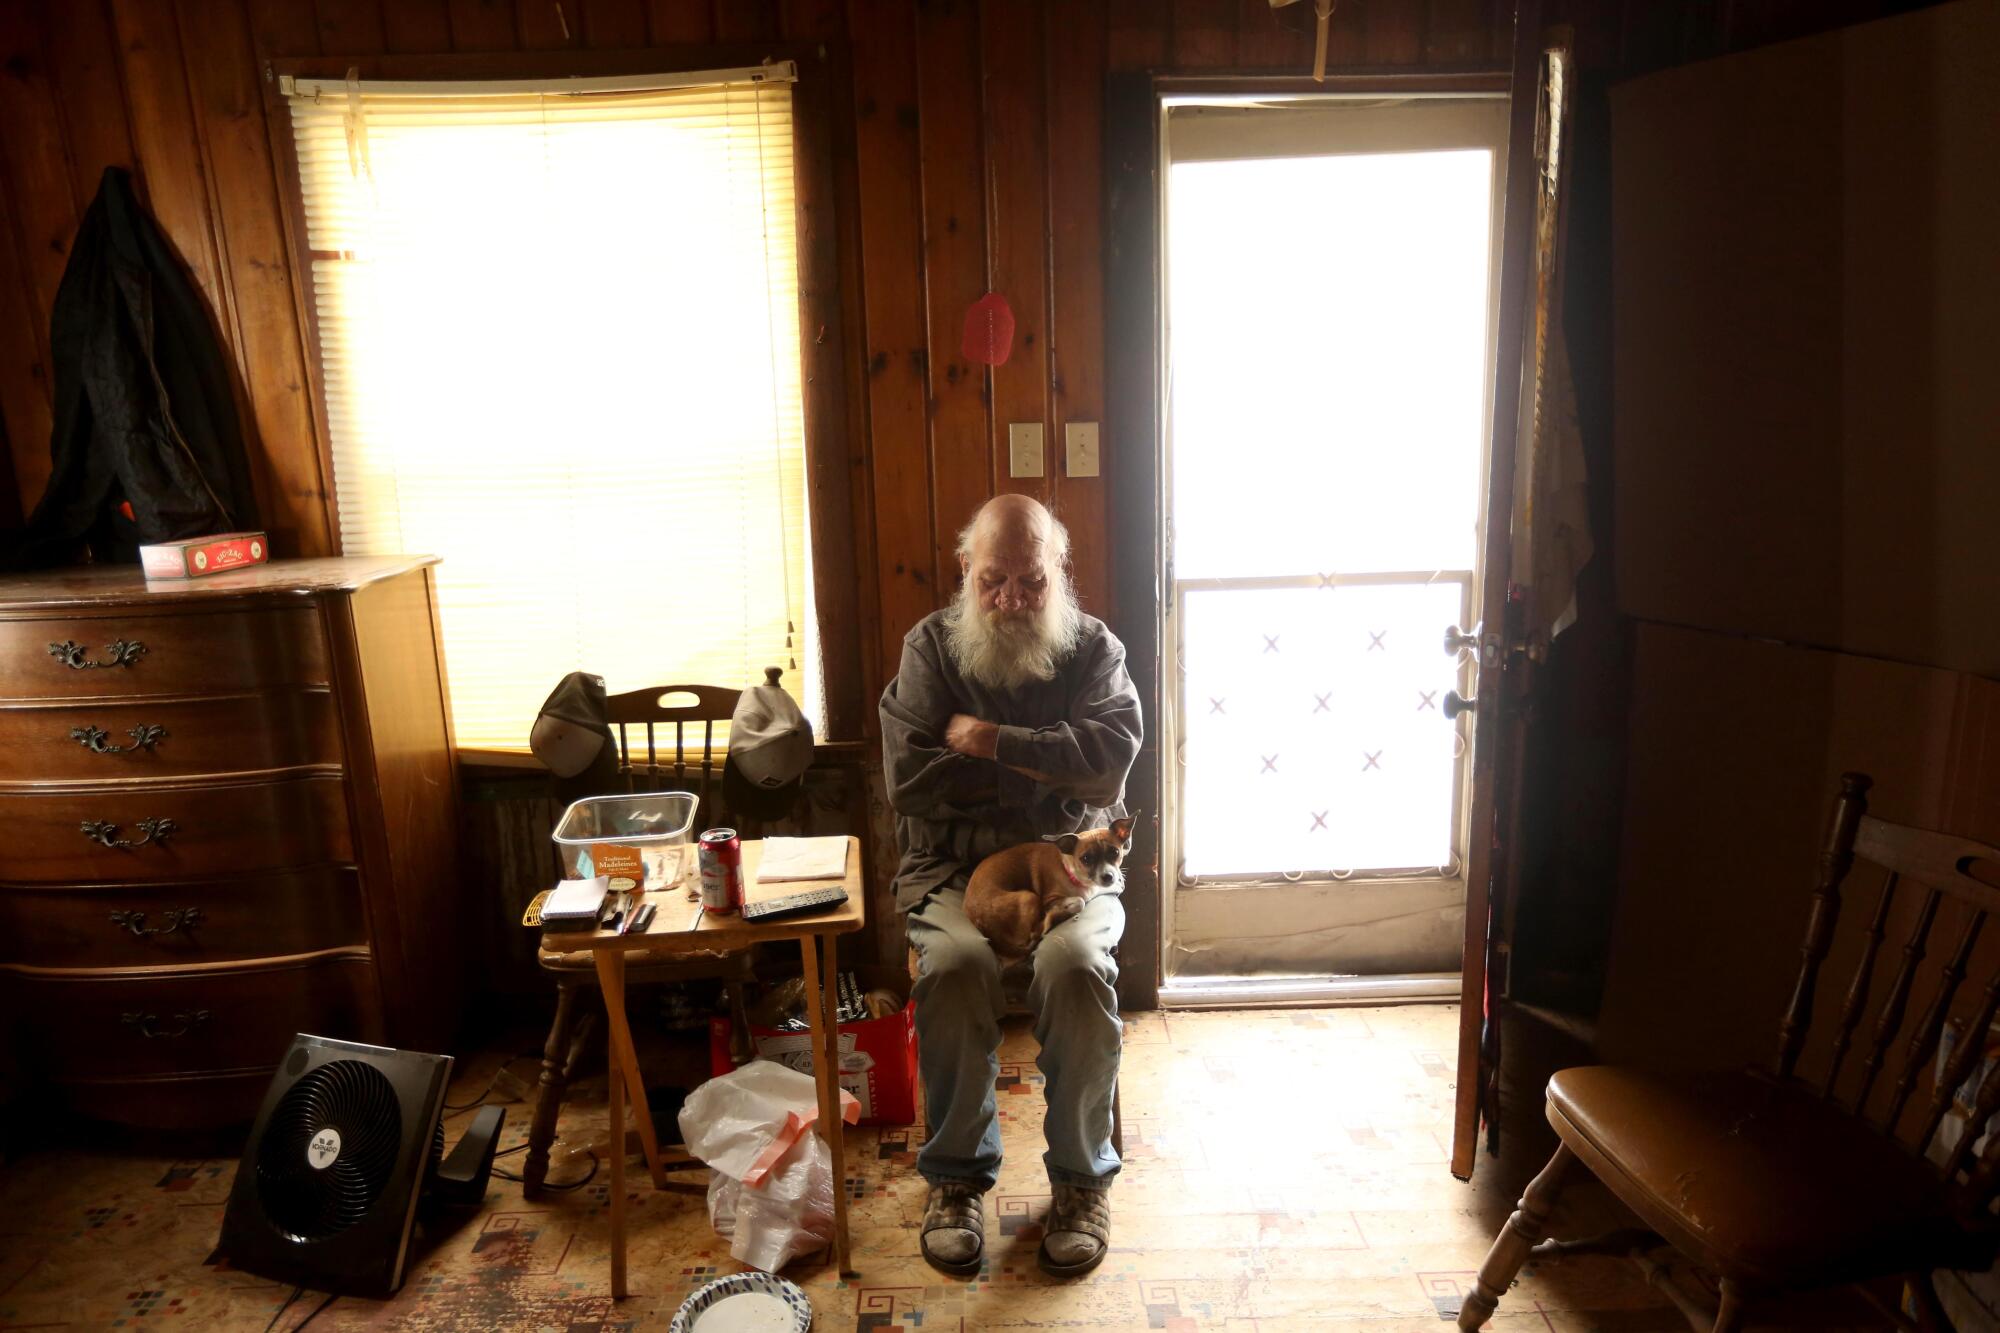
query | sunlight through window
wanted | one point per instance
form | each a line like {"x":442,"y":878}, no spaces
{"x":560,"y":345}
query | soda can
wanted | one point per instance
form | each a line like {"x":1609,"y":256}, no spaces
{"x":721,"y":872}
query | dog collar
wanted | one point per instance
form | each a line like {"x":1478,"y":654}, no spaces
{"x":1072,"y":874}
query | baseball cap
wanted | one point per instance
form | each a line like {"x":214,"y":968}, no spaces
{"x":570,"y":733}
{"x":770,"y":748}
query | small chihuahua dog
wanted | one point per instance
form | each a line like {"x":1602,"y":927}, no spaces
{"x":1018,"y":895}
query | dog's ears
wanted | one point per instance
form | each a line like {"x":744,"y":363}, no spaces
{"x":1122,"y":828}
{"x":1065,"y":843}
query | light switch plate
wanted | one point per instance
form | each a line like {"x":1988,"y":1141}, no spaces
{"x":1080,"y":448}
{"x":1024,"y":448}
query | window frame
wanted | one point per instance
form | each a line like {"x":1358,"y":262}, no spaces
{"x":827,"y":364}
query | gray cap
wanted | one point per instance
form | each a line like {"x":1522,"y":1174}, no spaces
{"x":770,"y":741}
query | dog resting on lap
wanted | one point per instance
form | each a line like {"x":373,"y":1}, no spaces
{"x":1018,"y":895}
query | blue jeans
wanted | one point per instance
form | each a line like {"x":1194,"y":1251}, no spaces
{"x":959,"y":1006}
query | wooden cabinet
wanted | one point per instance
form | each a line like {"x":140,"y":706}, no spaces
{"x":228,"y":813}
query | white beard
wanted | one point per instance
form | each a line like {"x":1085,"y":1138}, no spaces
{"x":1005,"y":650}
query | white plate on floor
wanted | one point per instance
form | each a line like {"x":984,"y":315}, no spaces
{"x":745,"y":1303}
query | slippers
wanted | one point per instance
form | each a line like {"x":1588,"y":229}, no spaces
{"x":1082,"y":1213}
{"x":954,"y":1207}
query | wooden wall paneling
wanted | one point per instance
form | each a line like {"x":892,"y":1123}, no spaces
{"x":26,"y":394}
{"x":1076,"y":60}
{"x":811,"y":20}
{"x":1800,"y":362}
{"x":831,"y":16}
{"x":1456,"y":32}
{"x":165,"y":141}
{"x":229,"y":107}
{"x":1131,"y":460}
{"x":673,"y":22}
{"x":748,"y":20}
{"x":12,"y":516}
{"x":1500,"y":25}
{"x":887,"y":174}
{"x":483,"y":25}
{"x":1650,"y":36}
{"x":549,"y":25}
{"x":36,"y":159}
{"x":416,"y":26}
{"x":83,"y":56}
{"x":951,"y":145}
{"x":1760,"y":732}
{"x":1275,"y":40}
{"x":180,"y":195}
{"x":827,"y":383}
{"x":1346,"y":37}
{"x":1972,"y":780}
{"x":1016,"y":142}
{"x":1701,"y":29}
{"x":1204,"y":33}
{"x":1138,"y":35}
{"x":614,"y":25}
{"x":352,"y":27}
{"x":288,"y":28}
{"x":1392,"y":31}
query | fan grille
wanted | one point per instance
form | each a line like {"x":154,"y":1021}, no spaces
{"x":357,"y":1101}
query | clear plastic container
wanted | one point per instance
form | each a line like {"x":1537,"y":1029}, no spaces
{"x":641,"y":838}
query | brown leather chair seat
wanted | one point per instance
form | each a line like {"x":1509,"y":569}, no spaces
{"x":1767,"y":1183}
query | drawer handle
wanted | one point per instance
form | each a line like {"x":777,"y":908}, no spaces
{"x":124,"y":652}
{"x":97,"y":740}
{"x":187,"y":1019}
{"x":175,"y":918}
{"x":105,"y":833}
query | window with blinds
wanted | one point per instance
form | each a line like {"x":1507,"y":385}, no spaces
{"x":559,"y":339}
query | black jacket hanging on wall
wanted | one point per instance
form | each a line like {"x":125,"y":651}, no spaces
{"x":143,"y":409}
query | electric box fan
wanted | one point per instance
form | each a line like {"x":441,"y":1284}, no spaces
{"x":348,"y":1143}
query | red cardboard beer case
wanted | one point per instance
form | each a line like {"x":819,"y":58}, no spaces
{"x":878,"y":1056}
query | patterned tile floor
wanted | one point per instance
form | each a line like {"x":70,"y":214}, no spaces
{"x":1285,"y":1170}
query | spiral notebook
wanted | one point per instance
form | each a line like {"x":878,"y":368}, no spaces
{"x":575,"y":902}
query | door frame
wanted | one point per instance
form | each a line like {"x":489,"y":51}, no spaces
{"x":1134,"y":311}
{"x":1409,"y":957}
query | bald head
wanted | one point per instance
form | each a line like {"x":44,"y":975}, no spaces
{"x":1017,"y":527}
{"x":1016,"y":617}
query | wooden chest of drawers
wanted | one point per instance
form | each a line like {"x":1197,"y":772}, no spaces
{"x":228,"y":813}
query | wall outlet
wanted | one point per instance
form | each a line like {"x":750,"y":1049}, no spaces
{"x":1080,"y":448}
{"x":1024,"y":449}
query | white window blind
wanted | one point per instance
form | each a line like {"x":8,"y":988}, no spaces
{"x":559,"y":335}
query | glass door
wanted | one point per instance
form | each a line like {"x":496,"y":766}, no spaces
{"x":1330,"y":268}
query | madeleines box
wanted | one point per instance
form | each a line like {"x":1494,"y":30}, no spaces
{"x":878,"y":1056}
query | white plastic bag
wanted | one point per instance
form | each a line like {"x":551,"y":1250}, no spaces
{"x":770,"y":1188}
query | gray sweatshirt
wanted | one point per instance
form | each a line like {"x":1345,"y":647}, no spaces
{"x":1081,"y":730}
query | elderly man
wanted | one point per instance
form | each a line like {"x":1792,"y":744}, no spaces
{"x":1011,"y":718}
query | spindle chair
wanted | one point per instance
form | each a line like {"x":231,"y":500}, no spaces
{"x":1771,"y":1182}
{"x":665,"y":763}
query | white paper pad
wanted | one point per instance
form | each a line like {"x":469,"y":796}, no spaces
{"x":802,"y":858}
{"x":576,"y":899}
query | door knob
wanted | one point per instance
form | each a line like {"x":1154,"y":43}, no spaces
{"x":1456,"y":703}
{"x":1457,"y":640}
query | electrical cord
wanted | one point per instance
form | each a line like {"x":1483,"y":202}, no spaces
{"x":279,"y":1313}
{"x":491,"y":1083}
{"x":330,"y":1297}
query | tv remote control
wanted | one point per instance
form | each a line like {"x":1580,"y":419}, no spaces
{"x":793,"y":904}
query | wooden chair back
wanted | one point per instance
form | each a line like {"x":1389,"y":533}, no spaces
{"x":654,"y":726}
{"x":1937,"y":866}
